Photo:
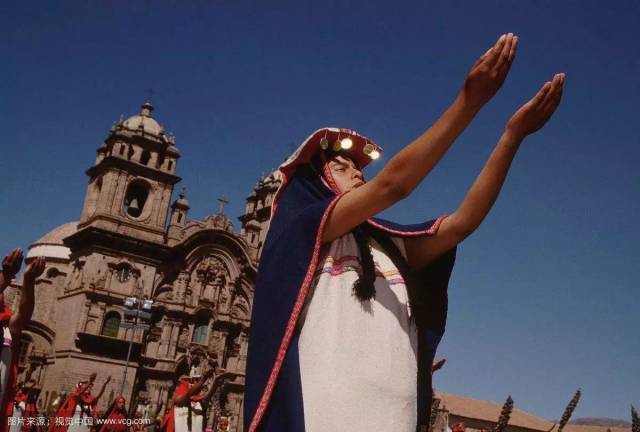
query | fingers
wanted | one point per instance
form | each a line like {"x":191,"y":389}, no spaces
{"x":552,"y":100}
{"x":512,"y":51}
{"x":507,"y":55}
{"x":481,"y":58}
{"x":555,"y":82}
{"x":538,"y":99}
{"x":42,"y":262}
{"x":438,"y":365}
{"x":36,"y":268}
{"x":13,"y":260}
{"x":11,"y":264}
{"x":16,"y":254}
{"x":493,"y":54}
{"x":506,"y":47}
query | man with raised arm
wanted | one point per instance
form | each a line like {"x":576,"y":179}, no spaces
{"x":349,"y":308}
{"x":12,"y":325}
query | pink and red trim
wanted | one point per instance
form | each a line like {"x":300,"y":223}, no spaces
{"x":291,"y":324}
{"x":287,"y":170}
{"x":429,"y":231}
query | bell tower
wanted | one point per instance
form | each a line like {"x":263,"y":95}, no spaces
{"x":257,"y":215}
{"x":131,"y":182}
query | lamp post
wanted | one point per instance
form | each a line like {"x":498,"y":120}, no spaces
{"x":135,"y":309}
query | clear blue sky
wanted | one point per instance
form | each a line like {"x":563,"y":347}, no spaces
{"x":544,"y":297}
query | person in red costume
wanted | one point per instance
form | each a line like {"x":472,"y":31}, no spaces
{"x":31,"y":412}
{"x":459,"y":427}
{"x":17,"y":420}
{"x":115,"y":417}
{"x":79,"y":407}
{"x":25,"y":414}
{"x":25,"y":417}
{"x":12,"y":324}
{"x":189,"y":405}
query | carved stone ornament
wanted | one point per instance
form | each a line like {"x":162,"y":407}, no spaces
{"x":209,"y":269}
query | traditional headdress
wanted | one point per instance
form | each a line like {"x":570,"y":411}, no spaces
{"x":359,"y":148}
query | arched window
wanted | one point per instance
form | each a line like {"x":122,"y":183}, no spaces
{"x":136,"y":198}
{"x":200,"y":332}
{"x":144,"y":159}
{"x":111,"y":324}
{"x":122,"y":272}
{"x":160,"y":160}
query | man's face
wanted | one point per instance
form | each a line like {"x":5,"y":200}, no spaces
{"x":345,"y":173}
{"x":120,"y":403}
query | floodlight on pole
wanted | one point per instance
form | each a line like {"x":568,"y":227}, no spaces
{"x":141,"y":311}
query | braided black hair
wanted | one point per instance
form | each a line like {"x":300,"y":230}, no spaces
{"x":364,"y":287}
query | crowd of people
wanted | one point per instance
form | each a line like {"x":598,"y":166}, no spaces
{"x":12,"y":324}
{"x":77,"y":411}
{"x":72,"y":412}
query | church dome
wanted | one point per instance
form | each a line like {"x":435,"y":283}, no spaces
{"x":144,"y":121}
{"x":181,"y":202}
{"x":173,"y":151}
{"x":51,"y":244}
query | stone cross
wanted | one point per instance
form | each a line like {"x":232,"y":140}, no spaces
{"x":222,"y":200}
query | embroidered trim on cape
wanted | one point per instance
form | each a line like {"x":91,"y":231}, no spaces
{"x":431,"y":230}
{"x":291,"y":324}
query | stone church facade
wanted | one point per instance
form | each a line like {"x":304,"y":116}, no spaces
{"x":132,"y":241}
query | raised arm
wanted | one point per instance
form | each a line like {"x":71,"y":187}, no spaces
{"x":104,"y":386}
{"x":408,"y":168}
{"x":10,"y":267}
{"x":20,"y":319}
{"x":484,"y":191}
{"x":217,"y":382}
{"x":184,"y":398}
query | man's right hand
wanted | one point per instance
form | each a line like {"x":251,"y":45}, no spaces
{"x":11,"y":265}
{"x":34,"y":269}
{"x":489,"y":72}
{"x":534,"y":114}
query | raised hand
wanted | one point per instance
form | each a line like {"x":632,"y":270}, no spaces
{"x":535,"y":113}
{"x":437,"y":365}
{"x":34,"y":269}
{"x":489,"y":72}
{"x":11,"y":265}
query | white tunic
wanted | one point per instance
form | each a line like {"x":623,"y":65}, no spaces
{"x":6,"y":357}
{"x":180,"y":415}
{"x":358,"y":359}
{"x":17,"y":419}
{"x":81,"y":421}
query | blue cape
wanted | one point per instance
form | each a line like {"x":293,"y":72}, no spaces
{"x":273,"y":395}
